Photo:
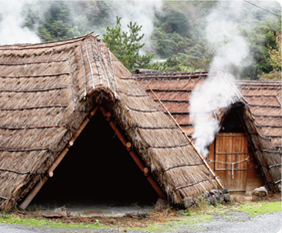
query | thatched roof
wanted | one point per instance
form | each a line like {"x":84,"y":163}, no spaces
{"x":49,"y":91}
{"x":260,"y":108}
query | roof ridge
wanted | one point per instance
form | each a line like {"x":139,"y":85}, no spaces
{"x":21,"y":46}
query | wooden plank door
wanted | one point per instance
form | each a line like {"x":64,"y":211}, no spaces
{"x":231,"y":160}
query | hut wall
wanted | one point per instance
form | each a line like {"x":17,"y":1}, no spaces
{"x":255,"y":178}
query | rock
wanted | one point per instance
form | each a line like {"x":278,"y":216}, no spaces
{"x":64,"y":211}
{"x":221,"y":197}
{"x":162,"y":204}
{"x":52,"y":215}
{"x":260,"y":192}
{"x":190,"y":202}
{"x":224,"y":191}
{"x":215,"y":192}
{"x":207,"y":194}
{"x":226,"y":197}
{"x":213,"y":200}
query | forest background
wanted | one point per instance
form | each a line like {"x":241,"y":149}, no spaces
{"x":167,"y":35}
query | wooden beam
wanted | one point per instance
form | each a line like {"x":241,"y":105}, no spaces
{"x":39,"y":185}
{"x":33,"y":193}
{"x":58,"y":160}
{"x":183,"y":132}
{"x":134,"y":156}
{"x":50,"y":171}
{"x":82,"y":126}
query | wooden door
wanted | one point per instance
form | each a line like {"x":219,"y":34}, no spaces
{"x":230,"y":160}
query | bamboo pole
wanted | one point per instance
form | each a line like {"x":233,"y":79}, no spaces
{"x":96,"y":60}
{"x":90,"y":65}
{"x":202,"y":158}
{"x":134,"y":156}
{"x":33,"y":76}
{"x":35,"y":90}
{"x":72,"y":87}
{"x":84,"y":72}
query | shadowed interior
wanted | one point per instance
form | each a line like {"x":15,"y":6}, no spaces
{"x":97,"y":169}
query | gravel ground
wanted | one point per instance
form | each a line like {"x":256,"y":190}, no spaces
{"x":237,"y":222}
{"x":231,"y":222}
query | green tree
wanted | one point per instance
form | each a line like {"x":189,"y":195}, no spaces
{"x":275,"y":54}
{"x":57,"y":23}
{"x":275,"y":61}
{"x":261,"y":39}
{"x":176,"y":21}
{"x":126,"y":45}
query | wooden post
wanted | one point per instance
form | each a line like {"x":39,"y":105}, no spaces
{"x":134,"y":156}
{"x":202,"y":158}
{"x":128,"y":146}
{"x":33,"y":193}
{"x":50,"y":172}
{"x":82,"y":126}
{"x":146,"y":171}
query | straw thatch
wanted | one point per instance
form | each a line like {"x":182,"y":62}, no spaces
{"x":47,"y":93}
{"x":258,"y":103}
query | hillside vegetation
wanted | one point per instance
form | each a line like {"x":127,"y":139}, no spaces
{"x":177,"y":43}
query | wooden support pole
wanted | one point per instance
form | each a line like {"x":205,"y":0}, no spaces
{"x":128,"y":145}
{"x":82,"y":126}
{"x":134,"y":156}
{"x":58,"y":160}
{"x":50,"y":172}
{"x":33,"y":193}
{"x":202,"y":158}
{"x":146,"y":171}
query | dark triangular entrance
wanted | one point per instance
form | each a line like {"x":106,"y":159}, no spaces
{"x":97,"y":169}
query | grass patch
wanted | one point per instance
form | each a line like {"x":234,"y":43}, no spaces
{"x":254,"y":209}
{"x":249,"y":207}
{"x":39,"y":222}
{"x":157,"y":222}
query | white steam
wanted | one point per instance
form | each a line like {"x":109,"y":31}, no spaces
{"x":217,"y":92}
{"x":231,"y":54}
{"x":12,"y":28}
{"x":141,"y":12}
{"x":11,"y":24}
{"x":224,"y":37}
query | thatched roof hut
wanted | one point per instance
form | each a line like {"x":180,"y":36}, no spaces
{"x":257,"y":106}
{"x":50,"y":91}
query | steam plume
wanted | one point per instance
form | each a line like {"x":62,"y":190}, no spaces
{"x":232,"y":52}
{"x":11,"y":21}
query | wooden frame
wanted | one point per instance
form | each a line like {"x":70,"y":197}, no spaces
{"x":133,"y":155}
{"x":59,"y":159}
